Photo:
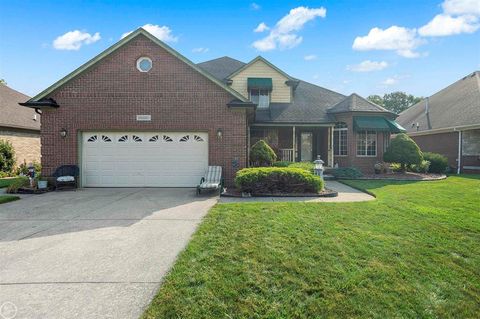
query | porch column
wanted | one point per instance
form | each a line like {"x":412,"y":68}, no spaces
{"x":294,"y":145}
{"x":330,"y":147}
{"x":248,"y":146}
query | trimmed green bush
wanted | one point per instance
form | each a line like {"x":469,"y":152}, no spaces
{"x":7,"y":156}
{"x":403,"y":150}
{"x":308,"y":166}
{"x":438,"y":162}
{"x":345,"y":172}
{"x":275,"y":180}
{"x":281,"y":164}
{"x":420,"y":168}
{"x":261,"y":154}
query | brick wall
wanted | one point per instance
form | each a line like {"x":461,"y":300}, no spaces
{"x":365,"y":164}
{"x":110,"y":94}
{"x":442,"y":143}
{"x":25,"y":143}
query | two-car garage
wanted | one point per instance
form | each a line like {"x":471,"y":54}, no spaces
{"x":143,"y":159}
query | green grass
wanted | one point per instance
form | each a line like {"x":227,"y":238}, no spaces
{"x":412,"y":253}
{"x":5,"y":182}
{"x":7,"y":198}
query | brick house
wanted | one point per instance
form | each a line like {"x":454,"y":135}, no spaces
{"x":19,"y":126}
{"x":448,"y":122}
{"x":141,"y":114}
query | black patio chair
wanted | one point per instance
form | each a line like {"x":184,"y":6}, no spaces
{"x":66,"y":176}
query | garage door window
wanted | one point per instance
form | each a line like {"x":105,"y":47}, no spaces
{"x":124,"y":138}
{"x":185,"y":138}
{"x":136,"y":138}
{"x":106,"y":138}
{"x":167,"y":138}
{"x":92,"y":139}
{"x":198,"y":138}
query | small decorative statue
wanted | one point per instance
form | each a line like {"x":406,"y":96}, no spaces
{"x":31,"y":175}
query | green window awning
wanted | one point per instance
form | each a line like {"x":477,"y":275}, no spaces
{"x":376,"y":123}
{"x":260,"y":83}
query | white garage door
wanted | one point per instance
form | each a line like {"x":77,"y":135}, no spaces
{"x":140,"y":159}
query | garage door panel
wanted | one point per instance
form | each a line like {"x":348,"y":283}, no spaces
{"x":138,"y":159}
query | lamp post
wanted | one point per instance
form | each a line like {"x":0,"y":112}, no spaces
{"x":318,"y":168}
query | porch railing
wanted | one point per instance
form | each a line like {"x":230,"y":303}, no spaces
{"x":286,"y":154}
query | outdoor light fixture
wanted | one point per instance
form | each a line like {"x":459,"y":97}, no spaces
{"x":63,"y":133}
{"x":219,"y":133}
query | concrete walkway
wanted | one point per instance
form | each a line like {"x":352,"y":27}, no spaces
{"x":345,"y":194}
{"x":92,"y":253}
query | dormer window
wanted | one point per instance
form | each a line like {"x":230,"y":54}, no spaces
{"x":260,"y":97}
{"x":259,"y":90}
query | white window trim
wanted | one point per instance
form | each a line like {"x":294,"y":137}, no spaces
{"x":346,"y":141}
{"x":140,"y":60}
{"x":366,"y":145}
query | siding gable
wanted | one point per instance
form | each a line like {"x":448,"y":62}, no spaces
{"x":281,"y":92}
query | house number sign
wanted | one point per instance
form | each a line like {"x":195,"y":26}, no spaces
{"x":144,"y":117}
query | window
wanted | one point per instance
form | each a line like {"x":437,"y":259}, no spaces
{"x":197,"y":138}
{"x":106,"y":138}
{"x":367,"y":143}
{"x":92,"y":138}
{"x":136,"y":138}
{"x":185,"y":138}
{"x":260,"y":97}
{"x":124,"y":138}
{"x":144,"y":64}
{"x":340,"y":139}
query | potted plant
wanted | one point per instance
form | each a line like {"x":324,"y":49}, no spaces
{"x":378,"y":168}
{"x":41,"y":183}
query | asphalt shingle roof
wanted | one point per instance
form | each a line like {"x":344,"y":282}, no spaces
{"x":14,"y":115}
{"x":356,"y":103}
{"x":310,"y":102}
{"x":456,"y":105}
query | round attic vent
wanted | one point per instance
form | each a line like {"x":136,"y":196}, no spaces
{"x":144,"y":64}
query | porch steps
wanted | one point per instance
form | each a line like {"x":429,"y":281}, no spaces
{"x":328,"y":177}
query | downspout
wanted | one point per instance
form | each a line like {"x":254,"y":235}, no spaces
{"x":459,"y":159}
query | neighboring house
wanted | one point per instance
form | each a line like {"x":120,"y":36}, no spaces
{"x":19,"y":125}
{"x":141,"y":114}
{"x":448,"y":123}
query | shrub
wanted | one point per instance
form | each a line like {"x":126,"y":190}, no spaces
{"x":308,"y":166}
{"x":274,"y":180}
{"x":281,"y":164}
{"x":18,"y":183}
{"x":438,"y":162}
{"x":7,"y":156}
{"x":403,"y":150}
{"x":345,"y":172}
{"x":22,"y":169}
{"x":423,"y":167}
{"x":262,"y":154}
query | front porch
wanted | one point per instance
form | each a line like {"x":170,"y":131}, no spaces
{"x":296,"y":143}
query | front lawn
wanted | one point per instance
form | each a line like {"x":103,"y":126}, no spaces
{"x":5,"y":182}
{"x":8,"y":198}
{"x":412,"y":253}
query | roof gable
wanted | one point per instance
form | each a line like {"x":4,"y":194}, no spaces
{"x":122,"y":42}
{"x":13,"y":115}
{"x":454,"y":106}
{"x":356,"y":103}
{"x":257,"y":59}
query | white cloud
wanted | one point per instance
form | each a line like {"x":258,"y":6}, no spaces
{"x":261,"y":27}
{"x":255,"y":6}
{"x":283,"y":35}
{"x":390,"y":81}
{"x":368,"y":66}
{"x":162,"y":33}
{"x":200,"y":50}
{"x":444,"y":25}
{"x":461,"y":7}
{"x":73,"y":40}
{"x":402,"y":40}
{"x":310,"y":57}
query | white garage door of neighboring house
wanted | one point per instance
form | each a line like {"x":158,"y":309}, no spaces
{"x":143,"y":159}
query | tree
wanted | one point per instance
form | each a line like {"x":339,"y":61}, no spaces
{"x":2,"y":81}
{"x":7,"y":156}
{"x":262,"y":154}
{"x":403,"y":150}
{"x":377,"y":99}
{"x":395,"y":101}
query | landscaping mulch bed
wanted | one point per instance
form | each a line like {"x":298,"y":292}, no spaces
{"x":407,"y":176}
{"x":233,"y":192}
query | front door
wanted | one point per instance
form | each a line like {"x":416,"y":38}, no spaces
{"x":306,"y":146}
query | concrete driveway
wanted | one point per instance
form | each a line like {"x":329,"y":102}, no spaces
{"x":92,"y":253}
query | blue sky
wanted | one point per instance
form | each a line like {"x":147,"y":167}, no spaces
{"x":368,"y":47}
